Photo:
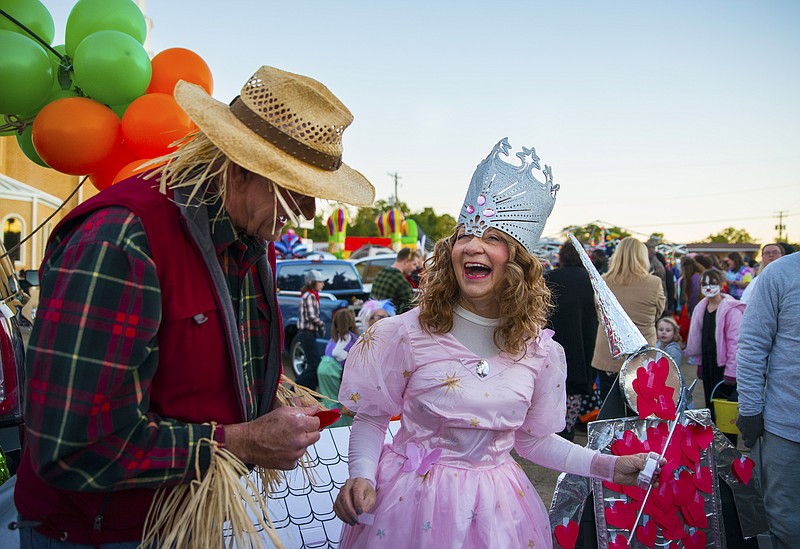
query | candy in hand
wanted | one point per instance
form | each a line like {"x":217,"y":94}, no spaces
{"x":328,"y":417}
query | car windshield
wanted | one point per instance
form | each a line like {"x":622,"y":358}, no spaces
{"x":337,"y":276}
{"x":370,"y":268}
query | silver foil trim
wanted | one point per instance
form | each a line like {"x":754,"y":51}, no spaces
{"x":624,"y":338}
{"x":748,"y":497}
{"x":603,"y":433}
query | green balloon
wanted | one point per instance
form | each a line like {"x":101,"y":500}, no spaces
{"x":25,"y":73}
{"x":30,"y":13}
{"x":119,"y":110}
{"x":26,"y":144}
{"x":111,"y":67}
{"x":56,"y":62}
{"x":90,"y":16}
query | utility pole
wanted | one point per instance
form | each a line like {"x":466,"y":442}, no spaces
{"x":396,"y":178}
{"x":780,"y":227}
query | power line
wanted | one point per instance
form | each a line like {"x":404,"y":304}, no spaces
{"x":396,"y":178}
{"x":708,"y":221}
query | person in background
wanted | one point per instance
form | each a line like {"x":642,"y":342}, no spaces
{"x":689,"y":283}
{"x":769,"y":253}
{"x":769,"y":392}
{"x":599,"y":260}
{"x":329,"y":372}
{"x":706,"y":261}
{"x":475,"y":373}
{"x":669,"y":339}
{"x":574,"y":321}
{"x":391,"y":282}
{"x":738,"y":275}
{"x":713,"y":339}
{"x":657,"y":268}
{"x":640,"y":294}
{"x":309,"y":326}
{"x":374,"y":310}
{"x":669,"y":287}
{"x":158,"y":335}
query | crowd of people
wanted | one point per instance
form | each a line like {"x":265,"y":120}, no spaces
{"x":158,"y":343}
{"x":716,"y":315}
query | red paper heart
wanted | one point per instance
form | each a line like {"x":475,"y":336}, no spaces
{"x":620,"y":515}
{"x":647,"y":533}
{"x":665,"y":407}
{"x":702,"y":479}
{"x":675,"y":530}
{"x":613,"y":486}
{"x":673,"y":454}
{"x":328,"y":417}
{"x":620,"y":542}
{"x":683,"y":489}
{"x":695,"y":541}
{"x":703,"y":435}
{"x":627,"y":445}
{"x":633,"y":492}
{"x":646,"y":407}
{"x":661,"y":370}
{"x":743,"y":469}
{"x":695,"y":512}
{"x":567,"y":536}
{"x":645,"y":384}
{"x":657,"y":436}
{"x":689,"y":446}
{"x":660,"y":499}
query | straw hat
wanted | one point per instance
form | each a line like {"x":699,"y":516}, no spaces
{"x":286,"y":127}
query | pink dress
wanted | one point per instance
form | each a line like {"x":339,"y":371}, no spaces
{"x":474,"y":495}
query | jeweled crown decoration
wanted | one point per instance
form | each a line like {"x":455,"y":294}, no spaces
{"x":509,"y":198}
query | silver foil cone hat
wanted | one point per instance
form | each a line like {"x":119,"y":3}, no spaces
{"x":624,"y":338}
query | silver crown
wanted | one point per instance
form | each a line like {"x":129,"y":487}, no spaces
{"x":509,"y":198}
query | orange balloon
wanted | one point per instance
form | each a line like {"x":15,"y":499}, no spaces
{"x":135,"y":168}
{"x":111,"y":165}
{"x":152,"y":123}
{"x":75,"y":134}
{"x":175,"y":64}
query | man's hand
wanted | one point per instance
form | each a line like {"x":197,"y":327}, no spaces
{"x":275,"y":440}
{"x":356,"y":496}
{"x":751,"y":428}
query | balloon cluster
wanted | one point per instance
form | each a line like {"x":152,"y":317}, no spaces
{"x":337,"y":231}
{"x":290,"y":246}
{"x":96,"y":105}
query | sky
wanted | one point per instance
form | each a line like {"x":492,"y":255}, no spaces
{"x":679,"y":117}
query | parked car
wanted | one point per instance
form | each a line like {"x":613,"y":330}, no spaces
{"x":12,"y":361}
{"x":342,"y":289}
{"x":369,"y":267}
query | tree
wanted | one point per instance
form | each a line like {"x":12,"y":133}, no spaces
{"x":732,"y":235}
{"x":593,"y":232}
{"x":435,"y":226}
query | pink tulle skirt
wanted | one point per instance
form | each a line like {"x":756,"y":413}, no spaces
{"x":488,"y":505}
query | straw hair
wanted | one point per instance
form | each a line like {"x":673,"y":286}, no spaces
{"x":304,"y":111}
{"x":630,"y":262}
{"x":193,"y":515}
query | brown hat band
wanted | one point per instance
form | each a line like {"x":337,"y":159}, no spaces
{"x":283,"y":141}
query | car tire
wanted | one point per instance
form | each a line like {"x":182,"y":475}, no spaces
{"x":297,"y":356}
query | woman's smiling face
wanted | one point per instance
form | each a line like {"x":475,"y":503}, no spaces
{"x":479,"y":264}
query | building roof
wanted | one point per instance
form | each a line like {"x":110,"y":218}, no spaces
{"x":12,"y":189}
{"x":721,"y":247}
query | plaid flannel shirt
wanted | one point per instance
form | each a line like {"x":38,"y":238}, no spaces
{"x":94,"y":344}
{"x":309,"y":314}
{"x":391,"y":284}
